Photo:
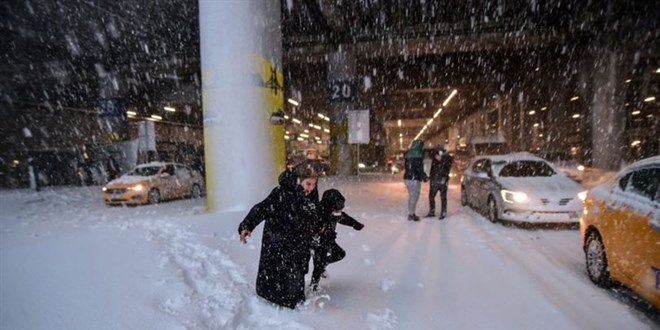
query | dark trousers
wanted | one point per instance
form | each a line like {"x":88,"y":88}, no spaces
{"x":442,"y":188}
{"x":326,"y":253}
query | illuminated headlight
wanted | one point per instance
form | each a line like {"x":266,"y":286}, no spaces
{"x":513,"y":196}
{"x":582,"y":195}
{"x":361,"y":165}
{"x":138,"y":187}
{"x":580,"y":168}
{"x":104,"y":188}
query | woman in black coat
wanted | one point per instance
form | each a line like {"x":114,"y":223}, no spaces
{"x":291,"y":220}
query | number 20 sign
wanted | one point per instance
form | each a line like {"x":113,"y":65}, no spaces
{"x":342,"y":91}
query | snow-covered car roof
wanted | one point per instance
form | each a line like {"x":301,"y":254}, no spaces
{"x":499,"y":161}
{"x":516,"y":156}
{"x":154,"y":164}
{"x":641,"y":163}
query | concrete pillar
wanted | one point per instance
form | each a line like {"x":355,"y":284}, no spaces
{"x":607,"y":118}
{"x":342,"y":89}
{"x":241,"y":56}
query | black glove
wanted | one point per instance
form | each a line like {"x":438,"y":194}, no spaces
{"x":358,"y":226}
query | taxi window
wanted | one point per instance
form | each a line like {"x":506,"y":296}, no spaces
{"x":623,"y":182}
{"x":645,"y":182}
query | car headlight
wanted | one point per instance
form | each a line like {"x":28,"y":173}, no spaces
{"x":580,"y":168}
{"x":138,"y":187}
{"x":582,"y":195}
{"x":513,"y":196}
{"x":104,"y":188}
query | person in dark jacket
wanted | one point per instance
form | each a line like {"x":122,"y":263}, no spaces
{"x":413,"y":175}
{"x":326,"y":250}
{"x":291,"y":221}
{"x":440,"y":168}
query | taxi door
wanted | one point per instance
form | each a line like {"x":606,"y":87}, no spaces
{"x":170,"y":185}
{"x":640,"y":229}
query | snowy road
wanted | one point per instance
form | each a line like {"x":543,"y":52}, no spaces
{"x":68,"y":262}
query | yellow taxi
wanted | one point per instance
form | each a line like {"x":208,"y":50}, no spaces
{"x":150,"y":183}
{"x":620,"y":230}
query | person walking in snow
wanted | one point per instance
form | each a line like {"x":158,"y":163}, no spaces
{"x":326,"y":250}
{"x":413,"y":175}
{"x":440,"y":168}
{"x":291,"y":220}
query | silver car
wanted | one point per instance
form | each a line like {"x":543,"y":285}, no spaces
{"x":521,"y":187}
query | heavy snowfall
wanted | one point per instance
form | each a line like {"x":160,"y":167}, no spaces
{"x":69,"y":262}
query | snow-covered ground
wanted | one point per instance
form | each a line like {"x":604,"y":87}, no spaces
{"x":69,"y":262}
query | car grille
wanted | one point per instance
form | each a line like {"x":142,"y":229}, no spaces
{"x":562,"y":201}
{"x":117,"y":191}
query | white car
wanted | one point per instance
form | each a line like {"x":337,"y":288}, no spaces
{"x":521,"y":187}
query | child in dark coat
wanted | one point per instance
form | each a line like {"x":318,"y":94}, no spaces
{"x":328,"y":251}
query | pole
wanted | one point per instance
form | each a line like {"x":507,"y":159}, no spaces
{"x":358,"y":159}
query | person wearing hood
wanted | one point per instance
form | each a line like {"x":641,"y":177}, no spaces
{"x":413,"y":175}
{"x":440,"y":168}
{"x":326,"y":250}
{"x":291,"y":221}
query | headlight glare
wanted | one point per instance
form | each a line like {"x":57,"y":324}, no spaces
{"x":513,"y":196}
{"x":138,"y":187}
{"x":104,"y":188}
{"x":582,"y":195}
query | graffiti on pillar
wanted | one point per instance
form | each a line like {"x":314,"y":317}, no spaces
{"x":270,"y":80}
{"x":273,"y":83}
{"x":342,"y":91}
{"x":269,"y":77}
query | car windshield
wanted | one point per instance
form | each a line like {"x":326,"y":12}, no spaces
{"x":145,"y":171}
{"x":526,"y":168}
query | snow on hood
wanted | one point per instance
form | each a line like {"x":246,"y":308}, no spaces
{"x":553,"y":186}
{"x":128,"y":179}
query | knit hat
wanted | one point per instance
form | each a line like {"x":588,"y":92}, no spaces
{"x":306,"y":170}
{"x":332,"y":201}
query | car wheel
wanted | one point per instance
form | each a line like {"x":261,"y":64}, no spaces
{"x":464,"y":198}
{"x":195,"y":192}
{"x":492,"y":209}
{"x":154,"y":196}
{"x":596,"y":260}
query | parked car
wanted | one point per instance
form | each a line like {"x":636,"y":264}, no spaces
{"x":620,"y":230}
{"x":521,"y":187}
{"x":150,"y":183}
{"x":458,"y":166}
